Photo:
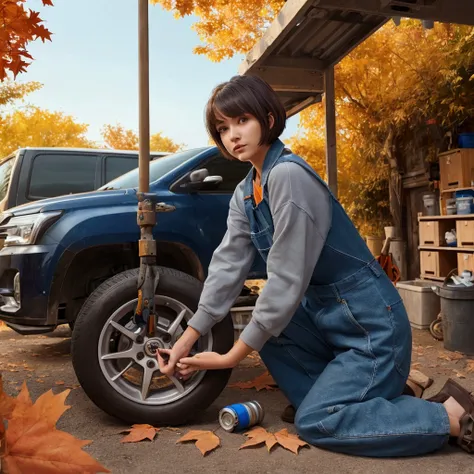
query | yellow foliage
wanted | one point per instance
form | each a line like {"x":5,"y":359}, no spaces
{"x":226,"y":28}
{"x":36,"y":127}
{"x":12,"y":91}
{"x":386,"y":90}
{"x":116,"y":136}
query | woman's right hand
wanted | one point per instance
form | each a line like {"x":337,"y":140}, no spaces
{"x":168,"y":358}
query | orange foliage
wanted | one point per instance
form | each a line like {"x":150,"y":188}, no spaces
{"x":19,"y":27}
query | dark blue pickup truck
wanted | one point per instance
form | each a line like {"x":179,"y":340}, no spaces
{"x":74,"y":259}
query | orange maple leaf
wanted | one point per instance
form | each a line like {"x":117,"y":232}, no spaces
{"x":43,"y":33}
{"x":259,"y":435}
{"x":262,"y":382}
{"x":31,"y":443}
{"x":206,"y":441}
{"x":47,"y":2}
{"x":7,"y":403}
{"x":470,"y":365}
{"x":139,"y":433}
{"x":20,"y":26}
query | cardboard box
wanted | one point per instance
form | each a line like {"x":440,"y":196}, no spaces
{"x":437,"y":264}
{"x":456,"y":169}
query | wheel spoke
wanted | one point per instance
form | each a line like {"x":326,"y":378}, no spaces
{"x":131,"y":335}
{"x":176,"y":323}
{"x":115,"y":377}
{"x":130,"y":354}
{"x":147,"y":376}
{"x":177,"y":383}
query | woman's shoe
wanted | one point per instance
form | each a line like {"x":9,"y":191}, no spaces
{"x":288,"y":414}
{"x":452,"y":389}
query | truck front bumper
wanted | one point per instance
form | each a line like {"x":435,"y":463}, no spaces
{"x":24,"y":288}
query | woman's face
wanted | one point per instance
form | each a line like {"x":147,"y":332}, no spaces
{"x":241,"y":136}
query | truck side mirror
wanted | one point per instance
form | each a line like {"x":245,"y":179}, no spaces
{"x":200,"y":180}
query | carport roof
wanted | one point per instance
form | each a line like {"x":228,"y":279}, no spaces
{"x":309,"y":36}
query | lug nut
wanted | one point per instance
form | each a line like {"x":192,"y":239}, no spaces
{"x":140,"y":339}
{"x":140,"y":355}
{"x":150,"y":364}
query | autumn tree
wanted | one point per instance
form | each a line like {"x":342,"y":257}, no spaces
{"x":19,"y":26}
{"x":120,"y":138}
{"x":33,"y":126}
{"x":11,"y":92}
{"x":226,"y":28}
{"x":386,"y":91}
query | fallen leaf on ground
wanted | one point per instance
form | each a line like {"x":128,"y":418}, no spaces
{"x":139,"y":432}
{"x":59,"y":382}
{"x":206,"y":441}
{"x":170,"y":428}
{"x":450,"y":356}
{"x":459,"y":375}
{"x":259,"y":435}
{"x":33,"y":444}
{"x":262,"y":382}
{"x":4,"y":327}
{"x":470,"y":366}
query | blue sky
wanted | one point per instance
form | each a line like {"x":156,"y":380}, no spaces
{"x":90,"y":69}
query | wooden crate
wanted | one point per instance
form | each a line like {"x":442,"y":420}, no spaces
{"x":432,"y":232}
{"x":456,"y":169}
{"x":437,"y":264}
{"x":465,"y":262}
{"x":465,"y":233}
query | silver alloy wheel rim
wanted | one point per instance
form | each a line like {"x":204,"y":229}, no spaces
{"x":138,"y":354}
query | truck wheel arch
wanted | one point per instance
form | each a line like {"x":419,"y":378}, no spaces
{"x":79,"y":274}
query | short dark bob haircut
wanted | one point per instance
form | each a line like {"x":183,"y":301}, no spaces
{"x":246,"y":95}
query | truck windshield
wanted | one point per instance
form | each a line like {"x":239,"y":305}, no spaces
{"x":158,"y":168}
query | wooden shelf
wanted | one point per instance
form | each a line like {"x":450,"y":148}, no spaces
{"x":431,"y":277}
{"x":453,"y":217}
{"x":456,"y":189}
{"x":453,"y":249}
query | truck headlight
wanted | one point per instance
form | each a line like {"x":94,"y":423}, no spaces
{"x":24,"y":230}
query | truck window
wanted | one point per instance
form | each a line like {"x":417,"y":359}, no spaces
{"x":56,"y":174}
{"x":116,"y":166}
{"x":158,"y":168}
{"x":232,"y":172}
{"x":5,"y":173}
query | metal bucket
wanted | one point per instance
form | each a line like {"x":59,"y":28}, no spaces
{"x":457,"y":309}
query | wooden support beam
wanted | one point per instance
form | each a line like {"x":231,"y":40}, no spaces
{"x":292,"y":80}
{"x":296,"y":109}
{"x":331,"y":155}
{"x":288,"y":62}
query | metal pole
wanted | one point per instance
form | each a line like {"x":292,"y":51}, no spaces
{"x":331,"y":155}
{"x":149,"y":276}
{"x":144,"y":98}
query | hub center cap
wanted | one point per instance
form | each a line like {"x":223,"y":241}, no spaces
{"x":152,"y":345}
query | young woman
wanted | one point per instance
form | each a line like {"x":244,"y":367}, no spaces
{"x":329,"y":324}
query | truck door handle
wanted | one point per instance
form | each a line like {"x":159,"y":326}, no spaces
{"x":163,"y":207}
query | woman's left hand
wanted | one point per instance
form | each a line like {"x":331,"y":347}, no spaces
{"x":205,"y":361}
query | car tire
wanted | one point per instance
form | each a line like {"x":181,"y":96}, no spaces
{"x":94,"y":314}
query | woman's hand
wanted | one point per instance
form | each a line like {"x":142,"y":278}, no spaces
{"x":168,"y":358}
{"x":205,"y":361}
{"x":213,"y":360}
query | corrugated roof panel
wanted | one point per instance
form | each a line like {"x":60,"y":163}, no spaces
{"x":310,"y":35}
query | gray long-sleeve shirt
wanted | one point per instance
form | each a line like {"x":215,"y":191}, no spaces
{"x":301,"y":209}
